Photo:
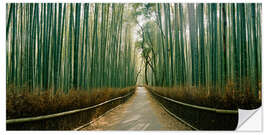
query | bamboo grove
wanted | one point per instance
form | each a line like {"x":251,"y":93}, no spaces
{"x":201,"y":45}
{"x":69,"y":46}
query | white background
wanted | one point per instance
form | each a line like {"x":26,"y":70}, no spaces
{"x":265,"y":73}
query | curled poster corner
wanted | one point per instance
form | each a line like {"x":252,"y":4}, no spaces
{"x":249,"y":120}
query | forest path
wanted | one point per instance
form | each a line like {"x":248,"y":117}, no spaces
{"x":140,"y":112}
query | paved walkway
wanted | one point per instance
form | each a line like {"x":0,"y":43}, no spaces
{"x":140,"y":112}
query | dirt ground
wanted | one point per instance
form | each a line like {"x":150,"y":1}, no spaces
{"x":140,"y":112}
